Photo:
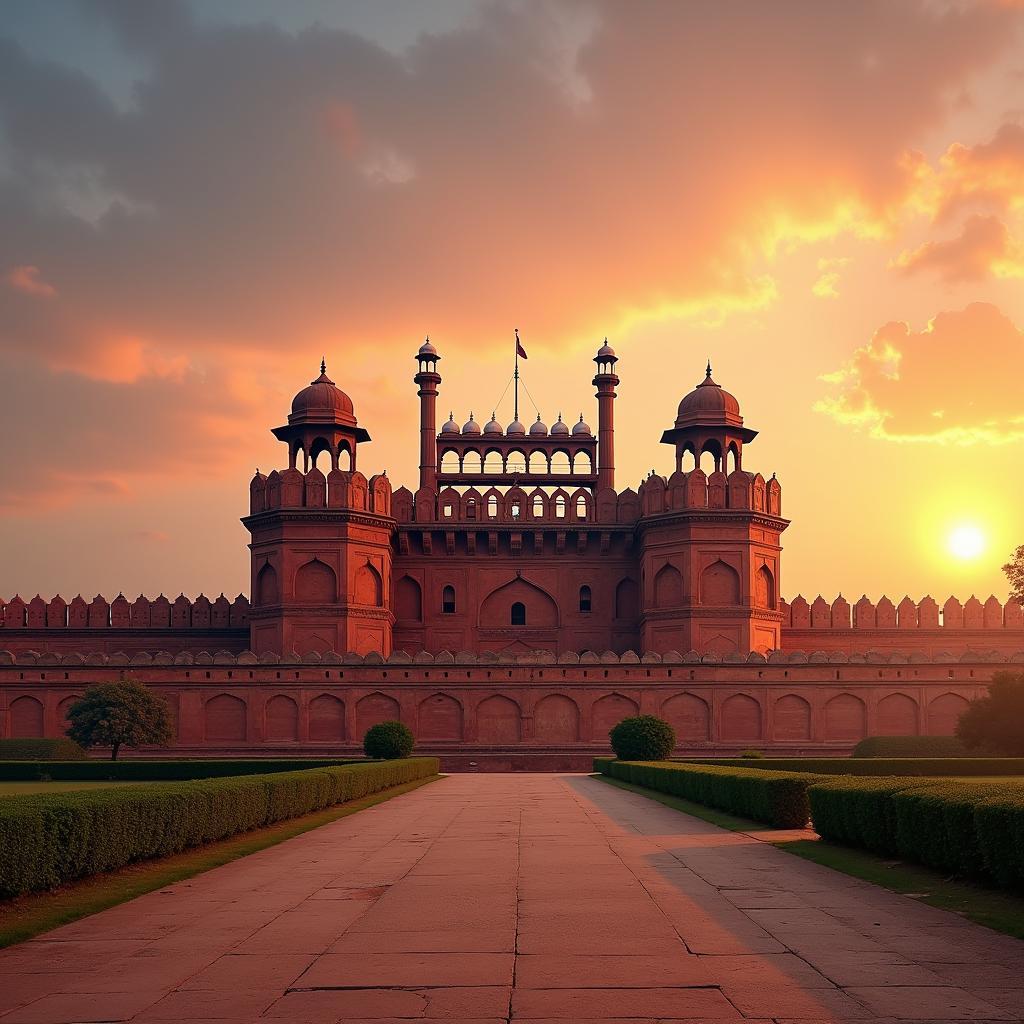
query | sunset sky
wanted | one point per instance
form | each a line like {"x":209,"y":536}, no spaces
{"x":197,"y":201}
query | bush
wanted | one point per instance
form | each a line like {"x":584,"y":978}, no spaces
{"x":902,"y":766}
{"x":996,"y":721}
{"x":778,"y":798}
{"x":145,"y":770}
{"x":910,"y":746}
{"x":388,"y":740}
{"x":643,"y":738}
{"x":751,"y":755}
{"x":41,"y":750}
{"x":46,"y":841}
{"x":119,"y":714}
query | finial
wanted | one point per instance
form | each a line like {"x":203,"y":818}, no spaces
{"x":323,"y":364}
{"x":538,"y":417}
{"x":707,"y":375}
{"x":494,"y":414}
{"x":471,"y":415}
{"x":581,"y":417}
{"x":559,"y":417}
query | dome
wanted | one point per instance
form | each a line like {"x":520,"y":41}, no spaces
{"x":709,"y":403}
{"x":538,"y":429}
{"x":606,"y":351}
{"x":427,"y":349}
{"x":451,"y":427}
{"x":492,"y":427}
{"x":516,"y":429}
{"x":559,"y":428}
{"x":322,"y":400}
{"x":471,"y":426}
{"x":580,"y":429}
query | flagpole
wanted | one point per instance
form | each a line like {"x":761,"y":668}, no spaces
{"x":516,"y":376}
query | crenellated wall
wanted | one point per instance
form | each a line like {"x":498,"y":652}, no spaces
{"x":291,"y":488}
{"x":921,"y":626}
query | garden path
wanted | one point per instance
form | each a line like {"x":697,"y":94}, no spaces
{"x":523,"y":897}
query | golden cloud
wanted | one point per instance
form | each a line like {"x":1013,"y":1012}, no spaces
{"x":983,"y":247}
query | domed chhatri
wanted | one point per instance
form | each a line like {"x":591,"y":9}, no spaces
{"x":559,"y":428}
{"x":322,"y":400}
{"x":471,"y":427}
{"x":515,"y":429}
{"x":427,"y":348}
{"x":581,"y":429}
{"x":538,"y":428}
{"x":492,"y":428}
{"x":709,"y":404}
{"x":450,"y":427}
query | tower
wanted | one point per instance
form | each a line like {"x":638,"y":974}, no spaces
{"x":321,"y":544}
{"x":710,"y":542}
{"x":428,"y":379}
{"x":606,"y":382}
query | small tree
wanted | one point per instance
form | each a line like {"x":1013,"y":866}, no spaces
{"x":388,"y":740}
{"x":1014,"y":570}
{"x":121,"y":714}
{"x":996,"y":722}
{"x":642,"y":738}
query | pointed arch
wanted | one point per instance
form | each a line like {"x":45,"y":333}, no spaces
{"x":498,"y":720}
{"x":224,"y":718}
{"x":668,"y":587}
{"x":316,"y":583}
{"x":896,"y":715}
{"x":627,"y":599}
{"x":368,"y":588}
{"x":408,"y":600}
{"x":539,"y":607}
{"x":764,"y":588}
{"x":689,"y":715}
{"x":556,"y":719}
{"x":741,"y":718}
{"x":845,"y":718}
{"x":374,"y":708}
{"x":282,"y":720}
{"x":267,"y":589}
{"x":440,"y":718}
{"x":26,"y":718}
{"x":608,"y":711}
{"x":719,"y":584}
{"x":791,"y":718}
{"x":326,"y":719}
{"x":944,"y":712}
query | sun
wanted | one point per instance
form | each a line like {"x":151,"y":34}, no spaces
{"x":966,"y":542}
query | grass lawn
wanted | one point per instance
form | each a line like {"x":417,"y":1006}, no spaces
{"x":31,"y":788}
{"x":27,"y":916}
{"x":995,"y":908}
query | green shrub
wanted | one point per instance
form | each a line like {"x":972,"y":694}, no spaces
{"x":41,"y":750}
{"x":642,"y":738}
{"x":901,"y":766}
{"x":48,"y":840}
{"x":995,"y":722}
{"x":999,"y":821}
{"x":751,"y":755}
{"x":388,"y":740}
{"x":910,"y":746}
{"x":778,"y":798}
{"x":146,"y":770}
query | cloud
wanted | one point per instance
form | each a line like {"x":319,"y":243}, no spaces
{"x":948,"y":383}
{"x":983,"y":247}
{"x":268,"y":194}
{"x":28,"y":279}
{"x":825,"y":286}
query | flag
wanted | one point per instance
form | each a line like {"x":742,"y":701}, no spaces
{"x":520,"y":351}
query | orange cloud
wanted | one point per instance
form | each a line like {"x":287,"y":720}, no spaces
{"x":28,"y":279}
{"x":949,"y":383}
{"x":989,"y":175}
{"x":983,"y":247}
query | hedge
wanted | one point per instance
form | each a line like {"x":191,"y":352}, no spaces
{"x":902,"y":766}
{"x":46,"y":841}
{"x":955,"y":827}
{"x":778,"y":798}
{"x":41,"y":750}
{"x":142,"y":770}
{"x":911,"y":746}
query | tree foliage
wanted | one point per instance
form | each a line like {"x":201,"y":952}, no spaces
{"x":1014,"y":570}
{"x":119,"y":714}
{"x":388,"y":741}
{"x":642,"y":738}
{"x":996,"y":722}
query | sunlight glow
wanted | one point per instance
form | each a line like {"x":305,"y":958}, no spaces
{"x":966,"y":541}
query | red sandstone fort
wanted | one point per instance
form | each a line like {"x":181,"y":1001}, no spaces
{"x":514,"y":607}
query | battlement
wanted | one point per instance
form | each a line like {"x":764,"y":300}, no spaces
{"x":141,"y":614}
{"x":556,"y":505}
{"x":339,"y":489}
{"x":925,"y":614}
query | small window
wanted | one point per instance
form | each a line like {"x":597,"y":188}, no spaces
{"x":492,"y":506}
{"x":560,"y":507}
{"x":584,"y":599}
{"x":515,"y":509}
{"x":448,"y":600}
{"x":447,"y":511}
{"x":538,"y":507}
{"x":471,"y":508}
{"x":581,"y":507}
{"x":518,"y":614}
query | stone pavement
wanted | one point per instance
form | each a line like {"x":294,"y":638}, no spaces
{"x":490,"y":898}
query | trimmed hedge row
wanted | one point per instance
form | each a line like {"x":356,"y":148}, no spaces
{"x":46,"y":841}
{"x":41,"y":750}
{"x":956,"y":827}
{"x":778,"y":798}
{"x":902,"y":766}
{"x":911,"y":746}
{"x":143,"y":770}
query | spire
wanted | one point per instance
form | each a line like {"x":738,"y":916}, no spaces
{"x":707,"y":373}
{"x":323,"y":364}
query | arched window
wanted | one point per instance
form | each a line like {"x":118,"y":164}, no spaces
{"x":560,"y":507}
{"x":518,"y":614}
{"x":492,"y":506}
{"x":584,"y":599}
{"x":448,"y":600}
{"x":471,"y":508}
{"x":581,"y":507}
{"x":538,"y":507}
{"x":515,"y":508}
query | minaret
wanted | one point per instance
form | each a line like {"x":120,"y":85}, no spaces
{"x":428,"y":378}
{"x":605,"y":381}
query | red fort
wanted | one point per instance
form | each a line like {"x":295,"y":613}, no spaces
{"x":514,"y":606}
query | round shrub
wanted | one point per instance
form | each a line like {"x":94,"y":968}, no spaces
{"x":386,"y":741}
{"x":643,"y":738}
{"x":751,"y":755}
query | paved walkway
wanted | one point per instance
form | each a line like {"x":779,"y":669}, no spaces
{"x":526,"y":897}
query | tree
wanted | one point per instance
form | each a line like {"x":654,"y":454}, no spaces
{"x":388,"y":740}
{"x":996,"y":722}
{"x":119,"y":714}
{"x":1014,"y":570}
{"x":643,"y":738}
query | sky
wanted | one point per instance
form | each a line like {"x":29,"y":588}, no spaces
{"x":199,"y":200}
